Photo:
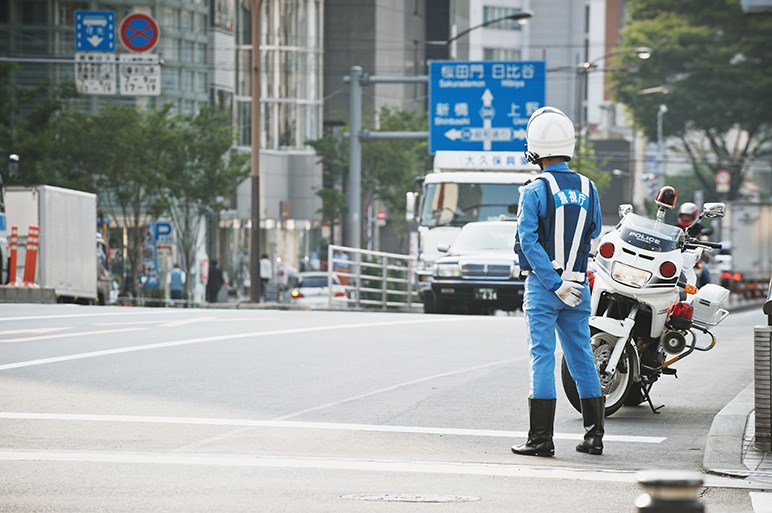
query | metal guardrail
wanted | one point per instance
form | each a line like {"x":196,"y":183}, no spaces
{"x":373,"y":279}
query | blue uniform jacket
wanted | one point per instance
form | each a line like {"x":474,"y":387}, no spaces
{"x":533,"y":207}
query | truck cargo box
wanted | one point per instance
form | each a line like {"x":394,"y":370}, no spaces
{"x":67,"y":252}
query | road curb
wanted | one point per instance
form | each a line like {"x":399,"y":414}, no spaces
{"x":724,"y":445}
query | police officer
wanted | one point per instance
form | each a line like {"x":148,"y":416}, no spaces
{"x":559,"y":215}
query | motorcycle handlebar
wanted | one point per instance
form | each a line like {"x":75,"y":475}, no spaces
{"x":695,"y":243}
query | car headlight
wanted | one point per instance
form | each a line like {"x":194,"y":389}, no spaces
{"x":446,"y":270}
{"x":629,"y":275}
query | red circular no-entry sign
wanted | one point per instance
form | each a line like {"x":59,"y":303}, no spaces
{"x":139,"y":32}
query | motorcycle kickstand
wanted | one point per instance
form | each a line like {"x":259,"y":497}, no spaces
{"x":646,"y":387}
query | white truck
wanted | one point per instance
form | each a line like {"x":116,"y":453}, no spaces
{"x":463,"y":186}
{"x":750,"y":234}
{"x":67,"y":254}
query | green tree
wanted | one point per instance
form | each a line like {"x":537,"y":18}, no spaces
{"x":130,"y":158}
{"x":716,"y":62}
{"x":389,"y":167}
{"x":200,"y":172}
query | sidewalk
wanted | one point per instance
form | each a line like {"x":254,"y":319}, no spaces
{"x":730,"y":447}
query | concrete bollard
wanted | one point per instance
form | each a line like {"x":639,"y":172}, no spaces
{"x":762,"y":376}
{"x":669,"y":491}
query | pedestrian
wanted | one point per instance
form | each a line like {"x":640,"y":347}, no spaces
{"x":559,"y":215}
{"x":266,"y":271}
{"x":214,"y":283}
{"x":175,"y":280}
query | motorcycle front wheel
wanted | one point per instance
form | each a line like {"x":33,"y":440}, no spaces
{"x":615,"y":385}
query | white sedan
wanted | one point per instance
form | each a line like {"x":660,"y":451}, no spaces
{"x":312,"y":289}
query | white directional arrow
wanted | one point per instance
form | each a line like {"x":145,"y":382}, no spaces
{"x":453,"y":134}
{"x":518,"y":134}
{"x":95,"y":40}
{"x":487,"y":99}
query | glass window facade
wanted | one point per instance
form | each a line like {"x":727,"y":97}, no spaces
{"x":491,"y":13}
{"x":291,"y":71}
{"x":501,"y":54}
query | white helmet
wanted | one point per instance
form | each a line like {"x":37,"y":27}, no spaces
{"x":549,"y":134}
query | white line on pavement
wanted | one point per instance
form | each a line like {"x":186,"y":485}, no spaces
{"x":160,"y":345}
{"x":34,"y":330}
{"x":282,"y":424}
{"x":115,"y":313}
{"x":426,"y":467}
{"x":67,"y":335}
{"x":762,"y":502}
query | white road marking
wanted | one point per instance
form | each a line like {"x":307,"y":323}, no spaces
{"x":121,"y":313}
{"x":762,"y":502}
{"x":68,"y":335}
{"x":161,"y":345}
{"x":33,"y":330}
{"x":164,"y":322}
{"x":281,"y":424}
{"x":223,"y":436}
{"x":425,"y":467}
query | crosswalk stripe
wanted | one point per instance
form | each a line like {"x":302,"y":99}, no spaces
{"x":284,"y":424}
{"x":426,"y":467}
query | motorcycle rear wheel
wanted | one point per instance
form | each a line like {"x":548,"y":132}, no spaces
{"x":615,"y":385}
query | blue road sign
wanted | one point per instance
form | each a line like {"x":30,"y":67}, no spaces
{"x":483,"y":105}
{"x":94,"y":31}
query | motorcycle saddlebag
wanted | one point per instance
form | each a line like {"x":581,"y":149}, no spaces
{"x":708,"y":304}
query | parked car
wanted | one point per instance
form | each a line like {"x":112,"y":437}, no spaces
{"x":312,"y":288}
{"x":479,"y":272}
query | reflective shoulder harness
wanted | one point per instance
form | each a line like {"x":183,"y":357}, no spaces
{"x":566,"y":269}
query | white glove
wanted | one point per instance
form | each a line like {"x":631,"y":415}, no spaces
{"x":570,"y":293}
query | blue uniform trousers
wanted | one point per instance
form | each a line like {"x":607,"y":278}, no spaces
{"x":544,"y":314}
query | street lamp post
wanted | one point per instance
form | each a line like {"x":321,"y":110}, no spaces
{"x":660,"y":144}
{"x":521,"y":17}
{"x":584,"y":69}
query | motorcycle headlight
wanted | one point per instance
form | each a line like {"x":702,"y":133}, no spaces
{"x":629,"y":275}
{"x":447,"y":270}
{"x":515,"y":271}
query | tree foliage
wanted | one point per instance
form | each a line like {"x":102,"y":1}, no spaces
{"x":201,"y":173}
{"x":389,"y":167}
{"x":142,"y":164}
{"x":716,"y":62}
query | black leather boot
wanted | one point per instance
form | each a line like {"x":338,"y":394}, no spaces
{"x":593,"y":415}
{"x":542,"y":419}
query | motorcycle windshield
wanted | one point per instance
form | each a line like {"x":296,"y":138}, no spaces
{"x":650,"y":235}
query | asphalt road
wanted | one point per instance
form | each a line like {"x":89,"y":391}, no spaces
{"x":134,"y":410}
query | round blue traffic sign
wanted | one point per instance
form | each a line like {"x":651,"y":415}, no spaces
{"x":139,"y":32}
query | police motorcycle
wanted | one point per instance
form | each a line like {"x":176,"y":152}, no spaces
{"x":647,"y":313}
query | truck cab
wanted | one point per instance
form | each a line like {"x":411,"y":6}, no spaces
{"x":463,"y":187}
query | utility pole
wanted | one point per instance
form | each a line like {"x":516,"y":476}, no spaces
{"x":254,"y":260}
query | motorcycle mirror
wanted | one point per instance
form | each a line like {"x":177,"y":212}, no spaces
{"x":711,"y":210}
{"x":624,"y":209}
{"x":410,"y":198}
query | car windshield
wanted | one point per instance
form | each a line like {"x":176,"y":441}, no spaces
{"x":312,"y":281}
{"x":456,"y":204}
{"x":479,"y":237}
{"x":650,"y":235}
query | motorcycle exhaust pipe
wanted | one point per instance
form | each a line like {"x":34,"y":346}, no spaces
{"x":673,"y":341}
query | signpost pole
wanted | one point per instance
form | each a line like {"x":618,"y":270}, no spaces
{"x":354,"y":185}
{"x":254,"y":261}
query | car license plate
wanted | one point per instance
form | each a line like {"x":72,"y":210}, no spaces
{"x":485,"y":294}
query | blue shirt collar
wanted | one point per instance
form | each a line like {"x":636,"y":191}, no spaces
{"x":559,"y":166}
